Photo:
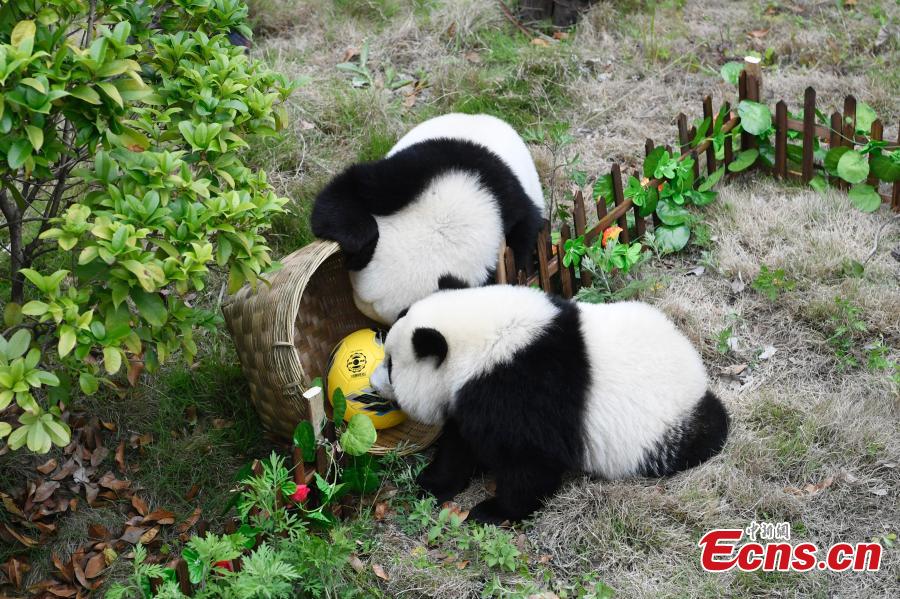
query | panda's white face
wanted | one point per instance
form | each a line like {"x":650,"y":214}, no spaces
{"x":453,"y":228}
{"x":413,"y":372}
{"x":452,"y":337}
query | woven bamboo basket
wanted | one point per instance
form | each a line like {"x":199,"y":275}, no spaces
{"x":284,"y":332}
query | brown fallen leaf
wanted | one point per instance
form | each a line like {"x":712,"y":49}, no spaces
{"x":192,"y":492}
{"x":539,"y":41}
{"x":140,"y":505}
{"x":15,"y":569}
{"x":473,"y":57}
{"x":758,"y":33}
{"x":110,"y":426}
{"x":810,"y":489}
{"x":95,"y":566}
{"x":133,"y":534}
{"x":160,"y":517}
{"x":120,"y":456}
{"x":356,"y":563}
{"x":350,"y":53}
{"x":379,"y":572}
{"x":44,"y":491}
{"x":135,"y":368}
{"x":79,"y":569}
{"x":189,"y":523}
{"x":545,"y":559}
{"x":48,"y":466}
{"x":462,"y":565}
{"x":62,"y":590}
{"x":27,"y":541}
{"x":98,"y":531}
{"x":220,"y":423}
{"x":149,"y":535}
{"x":381,"y":509}
{"x":560,"y":35}
{"x":410,"y":100}
{"x":112,"y":483}
{"x":98,"y":456}
{"x":64,"y":570}
{"x":10,"y":505}
{"x":90,"y":493}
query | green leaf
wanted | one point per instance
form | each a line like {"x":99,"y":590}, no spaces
{"x":853,"y":167}
{"x":731,"y":72}
{"x":834,"y":156}
{"x":672,"y":239}
{"x":19,"y":151}
{"x":88,"y":383}
{"x":34,"y":308}
{"x":712,"y":179}
{"x":865,"y":116}
{"x":305,"y":439}
{"x":22,"y":36}
{"x":87,"y":94}
{"x":359,"y":436}
{"x":361,"y":476}
{"x":18,"y":344}
{"x":338,"y":406}
{"x":865,"y":198}
{"x":743,"y":160}
{"x":67,"y":340}
{"x":150,"y":306}
{"x":650,"y":163}
{"x":12,"y":314}
{"x":112,"y":359}
{"x":819,"y":183}
{"x":5,"y":429}
{"x":756,"y":118}
{"x":884,"y":168}
{"x":35,"y":136}
{"x":672,"y":214}
{"x":38,"y":440}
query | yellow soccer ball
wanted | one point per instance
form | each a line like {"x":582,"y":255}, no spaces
{"x":350,"y":365}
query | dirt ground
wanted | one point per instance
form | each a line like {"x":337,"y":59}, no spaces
{"x":814,"y":440}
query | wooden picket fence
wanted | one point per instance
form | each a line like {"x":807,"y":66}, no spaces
{"x":547,"y":270}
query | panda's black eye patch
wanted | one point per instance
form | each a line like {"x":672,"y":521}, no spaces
{"x":428,"y":342}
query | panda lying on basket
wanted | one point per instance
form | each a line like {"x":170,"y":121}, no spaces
{"x":434,"y":213}
{"x":528,"y":387}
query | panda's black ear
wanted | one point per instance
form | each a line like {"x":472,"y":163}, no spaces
{"x":451,"y":282}
{"x":341,"y":214}
{"x":429,"y":342}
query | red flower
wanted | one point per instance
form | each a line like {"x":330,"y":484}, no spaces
{"x":300,"y":495}
{"x":610,"y":233}
{"x":225,"y":564}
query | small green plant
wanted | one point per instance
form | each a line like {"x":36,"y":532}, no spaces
{"x":772,"y":283}
{"x":611,"y":263}
{"x":847,"y":328}
{"x":362,"y":75}
{"x":497,"y":549}
{"x":723,"y":340}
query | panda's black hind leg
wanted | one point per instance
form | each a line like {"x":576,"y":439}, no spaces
{"x":452,"y":468}
{"x":520,"y":491}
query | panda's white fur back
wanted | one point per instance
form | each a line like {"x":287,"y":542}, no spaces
{"x":645,"y":378}
{"x":494,"y":134}
{"x":454,"y":222}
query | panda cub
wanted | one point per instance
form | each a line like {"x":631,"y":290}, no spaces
{"x":433,"y":213}
{"x":529,"y":386}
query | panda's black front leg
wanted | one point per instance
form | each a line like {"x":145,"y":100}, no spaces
{"x":452,"y":468}
{"x":520,"y":491}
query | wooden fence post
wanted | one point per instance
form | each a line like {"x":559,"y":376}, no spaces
{"x":618,"y":198}
{"x":809,"y":132}
{"x":781,"y":139}
{"x":566,"y":277}
{"x":580,"y":227}
{"x":711,"y":150}
{"x":877,"y":134}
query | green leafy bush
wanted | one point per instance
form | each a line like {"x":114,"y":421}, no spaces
{"x":121,"y":180}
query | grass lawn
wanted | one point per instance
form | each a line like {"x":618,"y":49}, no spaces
{"x":816,"y":417}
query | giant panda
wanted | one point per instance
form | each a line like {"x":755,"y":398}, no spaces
{"x":433,"y":213}
{"x":529,"y":387}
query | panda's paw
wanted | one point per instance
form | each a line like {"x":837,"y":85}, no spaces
{"x":489,"y":511}
{"x":442,"y":489}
